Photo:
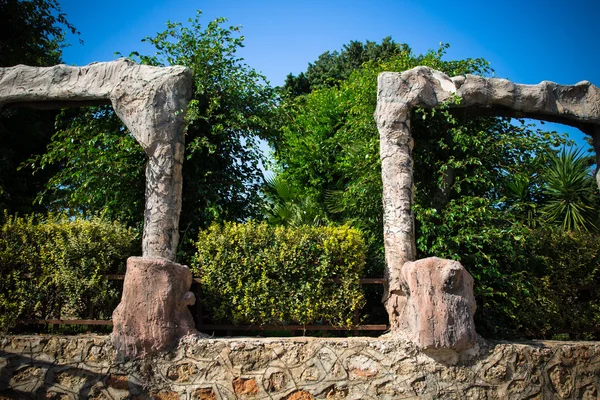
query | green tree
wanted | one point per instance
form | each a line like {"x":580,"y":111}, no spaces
{"x":330,"y":143}
{"x":98,"y":167}
{"x":31,"y":32}
{"x":521,"y":200}
{"x":333,"y":67}
{"x":232,"y":109}
{"x":462,"y":167}
{"x":559,"y":191}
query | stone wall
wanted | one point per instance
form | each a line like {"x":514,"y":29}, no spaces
{"x":59,"y":367}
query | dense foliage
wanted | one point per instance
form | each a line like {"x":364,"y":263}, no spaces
{"x":546,"y":283}
{"x":521,"y":215}
{"x":102,"y":169}
{"x":562,"y":270}
{"x":52,"y":267}
{"x":481,"y":184}
{"x":330,"y":145}
{"x":258,"y":274}
{"x":572,"y":200}
{"x":290,"y":206}
{"x":333,"y":67}
{"x":32,"y":33}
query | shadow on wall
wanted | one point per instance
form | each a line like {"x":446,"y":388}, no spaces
{"x":23,"y":377}
{"x":85,"y":367}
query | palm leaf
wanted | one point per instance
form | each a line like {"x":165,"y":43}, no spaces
{"x":570,"y":188}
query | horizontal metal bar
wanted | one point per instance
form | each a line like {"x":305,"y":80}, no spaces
{"x":67,"y":322}
{"x":381,"y":327}
{"x":575,"y":332}
{"x":115,"y":277}
{"x":373,"y":281}
{"x":362,"y":281}
{"x":587,"y":288}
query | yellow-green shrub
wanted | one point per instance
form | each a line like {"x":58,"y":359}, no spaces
{"x":259,"y":274}
{"x":51,"y":265}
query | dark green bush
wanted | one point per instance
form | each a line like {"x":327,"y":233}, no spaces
{"x":52,"y":267}
{"x":259,"y":274}
{"x":528,"y":283}
{"x":469,"y":231}
{"x":562,"y":276}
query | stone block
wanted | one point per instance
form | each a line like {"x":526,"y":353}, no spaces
{"x":438,"y":305}
{"x":153,"y":312}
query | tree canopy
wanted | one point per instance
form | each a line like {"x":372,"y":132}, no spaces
{"x":102,"y":169}
{"x":466,"y":170}
{"x":333,"y":67}
{"x":32,"y":33}
{"x":490,"y":192}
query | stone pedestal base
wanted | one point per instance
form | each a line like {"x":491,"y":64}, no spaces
{"x":436,"y":305}
{"x":153,"y":312}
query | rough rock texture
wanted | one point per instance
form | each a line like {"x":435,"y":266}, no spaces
{"x":398,"y":93}
{"x":151,"y":101}
{"x":436,"y":305}
{"x":576,"y":105}
{"x":153,"y":312}
{"x":296,"y":368}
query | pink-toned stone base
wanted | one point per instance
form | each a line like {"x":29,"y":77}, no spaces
{"x":153,"y":312}
{"x":437,"y":305}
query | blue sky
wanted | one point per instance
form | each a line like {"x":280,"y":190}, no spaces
{"x":525,"y":41}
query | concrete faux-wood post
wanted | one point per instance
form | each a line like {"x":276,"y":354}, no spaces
{"x":393,"y":122}
{"x":398,"y":93}
{"x":152,"y":102}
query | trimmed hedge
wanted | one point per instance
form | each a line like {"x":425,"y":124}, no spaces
{"x":52,"y":266}
{"x":560,"y":285}
{"x":529,"y":283}
{"x":259,"y":274}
